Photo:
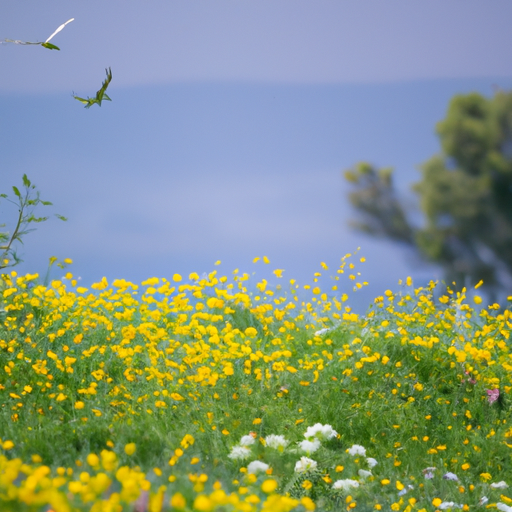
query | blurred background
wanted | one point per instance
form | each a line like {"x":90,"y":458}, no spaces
{"x":231,"y":128}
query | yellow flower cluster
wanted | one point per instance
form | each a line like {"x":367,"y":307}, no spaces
{"x":105,"y":487}
{"x":146,"y":384}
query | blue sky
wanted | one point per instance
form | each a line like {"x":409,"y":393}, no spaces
{"x":230,"y":126}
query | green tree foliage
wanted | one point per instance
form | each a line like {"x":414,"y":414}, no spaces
{"x":465,"y":195}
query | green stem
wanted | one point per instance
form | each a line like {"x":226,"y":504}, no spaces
{"x":13,"y":236}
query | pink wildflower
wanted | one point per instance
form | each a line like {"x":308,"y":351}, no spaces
{"x":492,"y":395}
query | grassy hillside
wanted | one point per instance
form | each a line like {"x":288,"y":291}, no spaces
{"x":210,"y":393}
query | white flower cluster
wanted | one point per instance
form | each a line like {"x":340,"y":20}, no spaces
{"x":241,"y":450}
{"x":314,"y":436}
{"x":357,"y":449}
{"x":276,"y":442}
{"x":449,"y":505}
{"x":313,"y":440}
{"x":310,"y":446}
{"x":247,"y":440}
{"x":320,"y":432}
{"x":347,"y":483}
{"x":371,"y":462}
{"x":305,"y":464}
{"x":256,"y":466}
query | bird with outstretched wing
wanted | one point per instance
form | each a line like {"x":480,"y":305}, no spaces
{"x":100,"y":95}
{"x":46,"y":44}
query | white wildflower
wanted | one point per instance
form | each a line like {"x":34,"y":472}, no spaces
{"x":322,"y":331}
{"x":345,"y":484}
{"x":357,"y":449}
{"x":305,"y":464}
{"x":309,"y":446}
{"x":451,"y":476}
{"x":247,"y":440}
{"x":449,"y":504}
{"x":363,"y":473}
{"x":502,"y":506}
{"x":276,"y":442}
{"x":239,"y":452}
{"x":371,"y":462}
{"x":257,"y":466}
{"x":313,"y":431}
{"x":328,"y":432}
{"x":483,"y":500}
{"x":499,"y":485}
{"x":322,"y":432}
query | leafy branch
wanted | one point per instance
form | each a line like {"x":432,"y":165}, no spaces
{"x":26,"y":202}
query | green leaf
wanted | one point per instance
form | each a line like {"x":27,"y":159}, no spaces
{"x":16,"y":191}
{"x":21,"y":234}
{"x":61,"y":217}
{"x":47,"y":203}
{"x":33,"y":218}
{"x":26,"y":181}
{"x":50,"y":46}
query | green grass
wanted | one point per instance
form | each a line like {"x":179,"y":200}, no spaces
{"x":131,"y":398}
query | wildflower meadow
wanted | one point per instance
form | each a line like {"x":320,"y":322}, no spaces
{"x":245,"y":393}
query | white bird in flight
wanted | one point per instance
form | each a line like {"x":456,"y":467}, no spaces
{"x":46,"y":44}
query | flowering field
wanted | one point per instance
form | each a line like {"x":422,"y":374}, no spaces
{"x":209,"y":393}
